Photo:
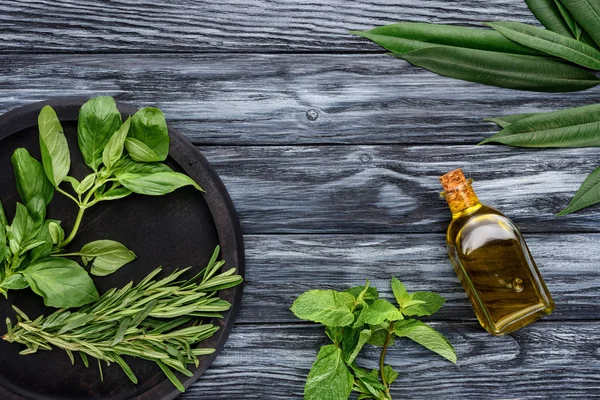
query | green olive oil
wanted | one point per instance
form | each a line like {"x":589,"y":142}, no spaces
{"x":492,"y":261}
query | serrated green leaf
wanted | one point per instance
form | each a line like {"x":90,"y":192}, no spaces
{"x":327,"y":307}
{"x":426,"y":336}
{"x":352,"y":343}
{"x":390,"y":374}
{"x":329,"y":378}
{"x":547,"y":12}
{"x":588,"y":194}
{"x":380,"y":311}
{"x":399,"y":291}
{"x":370,"y":295}
{"x":423,"y":304}
{"x":56,"y":158}
{"x":587,"y":14}
{"x":574,"y":127}
{"x":98,"y":119}
{"x":550,"y":43}
{"x":368,"y":383}
{"x":408,"y":36}
{"x":513,"y":71}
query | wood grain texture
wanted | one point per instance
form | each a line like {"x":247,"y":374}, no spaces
{"x":542,"y":361}
{"x":280,"y":268}
{"x":231,"y":25}
{"x":283,"y":99}
{"x":393,"y":189}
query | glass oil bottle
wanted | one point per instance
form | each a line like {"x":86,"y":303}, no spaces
{"x":492,"y":261}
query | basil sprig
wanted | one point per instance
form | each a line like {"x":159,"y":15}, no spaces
{"x":124,"y":158}
{"x":355,"y":318}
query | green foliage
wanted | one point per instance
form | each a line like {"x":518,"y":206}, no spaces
{"x":355,"y":318}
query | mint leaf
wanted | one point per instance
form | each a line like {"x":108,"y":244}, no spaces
{"x":327,"y":307}
{"x":368,"y":383}
{"x":423,"y":304}
{"x":353,"y":341}
{"x":426,"y":336}
{"x":329,"y":378}
{"x":334,"y":333}
{"x":390,"y":374}
{"x":380,"y":311}
{"x":400,"y":292}
{"x":379,"y":334}
{"x":370,"y":295}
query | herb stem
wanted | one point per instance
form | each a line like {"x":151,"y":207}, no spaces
{"x":71,"y":236}
{"x":382,"y":359}
{"x":68,"y":195}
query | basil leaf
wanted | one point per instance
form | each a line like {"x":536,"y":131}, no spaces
{"x":108,"y":256}
{"x":423,"y":304}
{"x":148,"y":139}
{"x":99,"y":118}
{"x":381,"y":311}
{"x":574,"y":127}
{"x":36,"y":207}
{"x":399,"y":291}
{"x":588,"y":194}
{"x":587,"y":13}
{"x":44,"y":235}
{"x":3,"y":220}
{"x":61,"y":282}
{"x":3,"y":225}
{"x":56,"y":158}
{"x":426,"y":336}
{"x":328,"y":307}
{"x":30,"y":177}
{"x":408,"y":36}
{"x":56,"y":232}
{"x":329,"y":378}
{"x":15,"y":282}
{"x":20,"y":228}
{"x":156,"y":184}
{"x":549,"y":42}
{"x":547,"y":12}
{"x":128,"y":165}
{"x":511,"y":71}
{"x":114,"y":194}
{"x":506,"y":120}
{"x":114,"y":148}
{"x":86,"y":184}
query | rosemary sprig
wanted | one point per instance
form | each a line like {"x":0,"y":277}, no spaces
{"x":157,"y":320}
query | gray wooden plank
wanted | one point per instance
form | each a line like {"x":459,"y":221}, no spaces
{"x":230,"y":25}
{"x":543,"y":361}
{"x":282,"y":99}
{"x":387,"y":189}
{"x":280,"y":268}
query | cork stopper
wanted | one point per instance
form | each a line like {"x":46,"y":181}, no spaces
{"x":458,"y":191}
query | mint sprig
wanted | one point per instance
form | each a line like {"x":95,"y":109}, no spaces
{"x":358,"y":317}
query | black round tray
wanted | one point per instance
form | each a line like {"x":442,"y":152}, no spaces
{"x":176,"y":231}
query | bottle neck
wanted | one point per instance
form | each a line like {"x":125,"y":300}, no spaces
{"x":462,"y":200}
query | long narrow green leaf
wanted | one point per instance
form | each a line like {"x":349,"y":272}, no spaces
{"x":512,"y":71}
{"x":569,"y":19}
{"x":550,"y":43}
{"x":506,"y":120}
{"x":588,"y":194}
{"x":574,"y":127}
{"x":407,"y":36}
{"x":587,"y":13}
{"x":548,"y":13}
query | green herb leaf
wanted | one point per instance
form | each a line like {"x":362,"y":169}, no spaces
{"x":408,"y":36}
{"x":86,"y":184}
{"x":327,"y":307}
{"x":370,"y":295}
{"x":380,"y":311}
{"x":44,"y":235}
{"x":329,"y":378}
{"x":368,"y":383}
{"x":423,"y":304}
{"x":511,"y":71}
{"x":30,"y":177}
{"x":549,"y":42}
{"x":399,"y":291}
{"x":587,"y":14}
{"x":426,"y":336}
{"x":588,"y":194}
{"x":114,"y":148}
{"x":36,"y":207}
{"x":15,"y":282}
{"x":114,"y":194}
{"x":390,"y":374}
{"x":547,"y":12}
{"x":128,"y":165}
{"x":506,"y":120}
{"x":574,"y":127}
{"x":61,"y":282}
{"x":3,"y":219}
{"x":98,"y":119}
{"x":3,"y":225}
{"x":108,"y":256}
{"x":20,"y":229}
{"x":352,"y":343}
{"x":57,"y":234}
{"x":156,"y":184}
{"x":569,"y":20}
{"x":148,"y":139}
{"x":56,"y":158}
{"x":379,"y":335}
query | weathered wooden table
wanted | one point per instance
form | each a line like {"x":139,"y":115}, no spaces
{"x":331,"y":151}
